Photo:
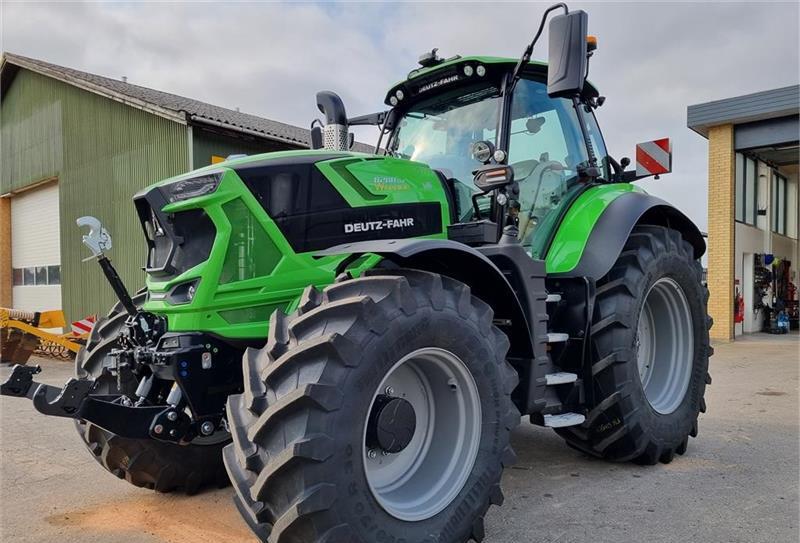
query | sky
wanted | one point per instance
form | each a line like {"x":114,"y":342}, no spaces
{"x":269,"y":59}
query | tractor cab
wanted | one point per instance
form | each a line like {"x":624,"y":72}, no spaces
{"x":465,"y":114}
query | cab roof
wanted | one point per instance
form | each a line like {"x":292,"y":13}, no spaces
{"x":426,"y":78}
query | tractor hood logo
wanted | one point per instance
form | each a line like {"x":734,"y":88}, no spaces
{"x":385,"y":224}
{"x":386,"y":184}
{"x":438,"y":83}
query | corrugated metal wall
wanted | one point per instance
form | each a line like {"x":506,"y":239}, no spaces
{"x":30,"y":132}
{"x":208,"y":143}
{"x":102,"y":152}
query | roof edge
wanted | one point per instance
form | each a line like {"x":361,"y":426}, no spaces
{"x":10,"y":58}
{"x":757,"y":106}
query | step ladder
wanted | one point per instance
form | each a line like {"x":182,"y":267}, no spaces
{"x":563,"y":420}
{"x":557,"y":382}
{"x":560,"y":378}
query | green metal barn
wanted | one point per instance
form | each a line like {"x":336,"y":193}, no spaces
{"x":75,"y":143}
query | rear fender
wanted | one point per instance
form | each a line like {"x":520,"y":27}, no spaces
{"x":594,"y":231}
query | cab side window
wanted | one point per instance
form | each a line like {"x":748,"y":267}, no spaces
{"x":545,"y":149}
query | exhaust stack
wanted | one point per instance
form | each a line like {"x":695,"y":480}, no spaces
{"x":335,"y":134}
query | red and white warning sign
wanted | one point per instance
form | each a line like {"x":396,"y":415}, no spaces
{"x":83,"y":326}
{"x":653,"y":157}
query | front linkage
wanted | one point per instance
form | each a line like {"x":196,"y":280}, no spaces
{"x":175,"y":371}
{"x":200,"y":383}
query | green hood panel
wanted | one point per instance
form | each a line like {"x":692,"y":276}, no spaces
{"x":271,"y":214}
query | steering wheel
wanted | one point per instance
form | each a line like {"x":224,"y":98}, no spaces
{"x":534,"y":183}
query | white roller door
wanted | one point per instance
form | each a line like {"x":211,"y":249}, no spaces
{"x":36,"y":249}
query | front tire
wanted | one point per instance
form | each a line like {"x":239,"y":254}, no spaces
{"x":300,"y":459}
{"x":650,"y":350}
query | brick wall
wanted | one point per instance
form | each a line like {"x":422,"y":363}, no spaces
{"x":721,"y":230}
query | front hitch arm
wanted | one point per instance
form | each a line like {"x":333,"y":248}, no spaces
{"x":76,"y":401}
{"x":47,"y":399}
{"x":20,"y":382}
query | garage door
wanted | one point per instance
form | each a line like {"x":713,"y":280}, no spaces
{"x":36,"y":249}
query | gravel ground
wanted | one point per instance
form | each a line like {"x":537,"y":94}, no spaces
{"x":738,"y":481}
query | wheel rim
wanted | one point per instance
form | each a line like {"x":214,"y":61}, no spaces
{"x":426,"y":476}
{"x":665,"y":346}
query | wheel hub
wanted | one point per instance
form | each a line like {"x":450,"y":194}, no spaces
{"x":391,"y":424}
{"x":665,"y":345}
{"x":421,"y":434}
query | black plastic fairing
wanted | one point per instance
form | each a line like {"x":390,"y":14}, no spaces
{"x":312,"y":215}
{"x":176,"y":241}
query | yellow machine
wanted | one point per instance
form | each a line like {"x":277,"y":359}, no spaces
{"x":23,"y":333}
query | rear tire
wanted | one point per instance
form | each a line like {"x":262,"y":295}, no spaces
{"x":299,"y":462}
{"x":647,"y":397}
{"x":142,"y":462}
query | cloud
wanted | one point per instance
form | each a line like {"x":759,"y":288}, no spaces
{"x":654,"y":59}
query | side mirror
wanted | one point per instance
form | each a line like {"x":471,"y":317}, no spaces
{"x":567,"y":54}
{"x":493,"y":176}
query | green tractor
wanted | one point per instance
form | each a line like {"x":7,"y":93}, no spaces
{"x":350,"y":339}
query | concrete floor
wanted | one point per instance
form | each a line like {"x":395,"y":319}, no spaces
{"x":737,"y":483}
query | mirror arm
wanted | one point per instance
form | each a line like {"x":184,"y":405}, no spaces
{"x":526,"y":56}
{"x":371,"y":119}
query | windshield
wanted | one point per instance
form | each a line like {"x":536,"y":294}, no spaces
{"x":440,"y":132}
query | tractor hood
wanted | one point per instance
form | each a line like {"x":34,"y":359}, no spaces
{"x":318,"y":201}
{"x":303,"y":201}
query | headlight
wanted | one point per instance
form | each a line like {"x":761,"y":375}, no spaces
{"x":183,"y":293}
{"x":192,"y":187}
{"x":468,"y":71}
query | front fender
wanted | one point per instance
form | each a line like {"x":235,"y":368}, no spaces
{"x":460,"y":262}
{"x":594,"y":230}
